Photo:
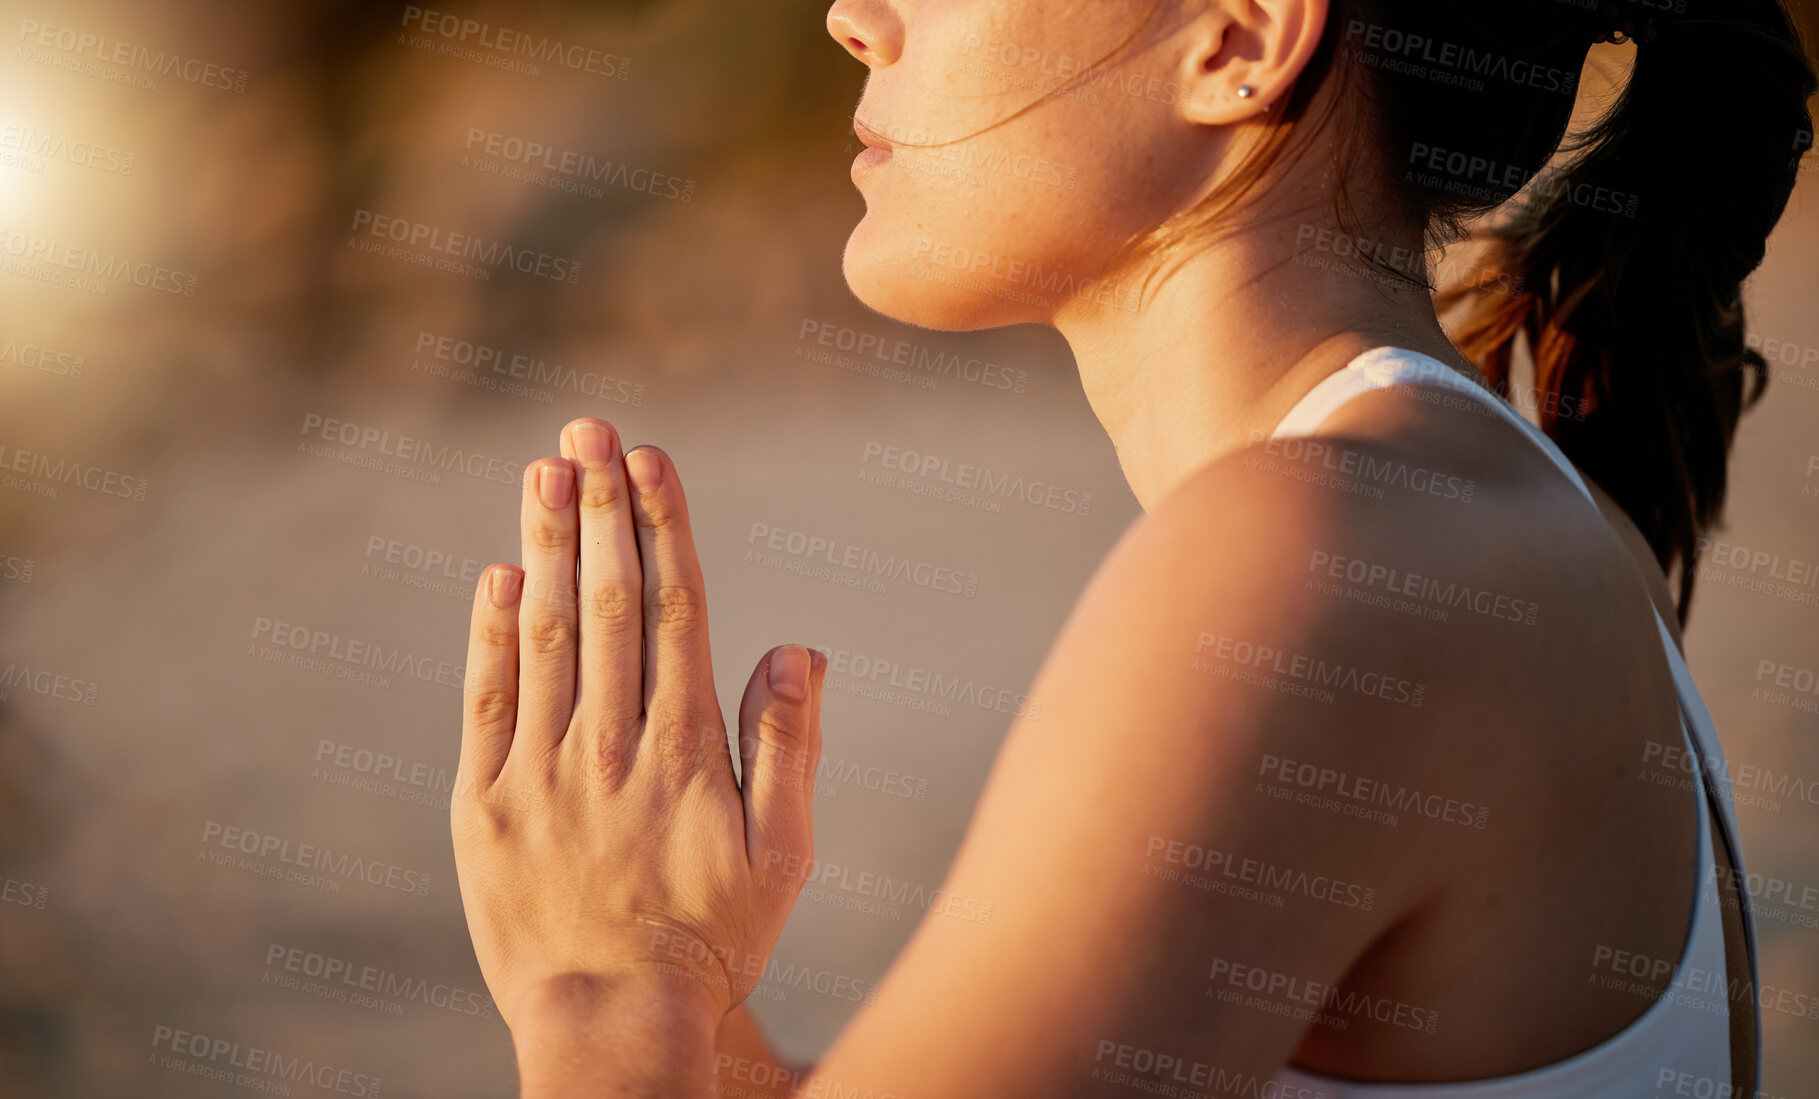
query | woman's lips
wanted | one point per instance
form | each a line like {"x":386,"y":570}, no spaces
{"x":877,"y":149}
{"x":872,"y":157}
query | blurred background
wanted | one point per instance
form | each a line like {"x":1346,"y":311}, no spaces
{"x":259,"y":431}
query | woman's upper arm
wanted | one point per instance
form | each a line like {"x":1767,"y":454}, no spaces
{"x":1126,"y":846}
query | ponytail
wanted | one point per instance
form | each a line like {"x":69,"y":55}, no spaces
{"x":1630,"y":261}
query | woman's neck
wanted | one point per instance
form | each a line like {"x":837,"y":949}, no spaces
{"x":1227,"y":345}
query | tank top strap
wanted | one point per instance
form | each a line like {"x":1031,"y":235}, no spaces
{"x":1714,"y":771}
{"x":1384,"y":367}
{"x":1388,"y":366}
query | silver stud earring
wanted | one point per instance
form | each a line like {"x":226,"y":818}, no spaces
{"x":1245,"y":91}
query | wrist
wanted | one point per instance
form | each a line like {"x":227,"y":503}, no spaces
{"x":585,"y":1002}
{"x":645,"y":1037}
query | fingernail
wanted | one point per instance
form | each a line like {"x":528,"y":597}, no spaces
{"x":503,"y":586}
{"x":644,"y":468}
{"x":593,"y":443}
{"x":556,"y":484}
{"x":789,"y":672}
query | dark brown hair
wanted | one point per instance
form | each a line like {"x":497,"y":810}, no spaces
{"x":1622,"y":261}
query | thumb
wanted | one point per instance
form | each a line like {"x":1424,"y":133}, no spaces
{"x":779,"y":751}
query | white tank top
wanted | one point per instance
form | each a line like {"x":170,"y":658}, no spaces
{"x":1681,"y":1044}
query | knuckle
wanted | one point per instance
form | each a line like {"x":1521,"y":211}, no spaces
{"x":683,"y":739}
{"x":479,"y":817}
{"x":598,"y":492}
{"x":551,"y":536}
{"x":607,"y":760}
{"x":676,"y":607}
{"x":612,"y":600}
{"x":782,"y":731}
{"x":497,"y":634}
{"x":547,"y":636}
{"x":663,"y":512}
{"x":492,"y":706}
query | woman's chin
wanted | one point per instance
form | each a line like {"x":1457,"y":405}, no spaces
{"x":909,"y":290}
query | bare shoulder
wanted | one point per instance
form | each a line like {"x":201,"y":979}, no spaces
{"x":1301,"y":624}
{"x":1434,"y":637}
{"x":1400,"y":592}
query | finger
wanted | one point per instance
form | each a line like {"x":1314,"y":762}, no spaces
{"x":611,"y":585}
{"x":678,"y":673}
{"x":779,"y":751}
{"x":489,"y":694}
{"x":546,"y":613}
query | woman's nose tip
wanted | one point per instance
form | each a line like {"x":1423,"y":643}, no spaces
{"x":865,"y":29}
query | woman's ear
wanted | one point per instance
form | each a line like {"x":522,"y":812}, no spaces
{"x":1245,"y":55}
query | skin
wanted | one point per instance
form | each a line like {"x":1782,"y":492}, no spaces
{"x":620,"y":962}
